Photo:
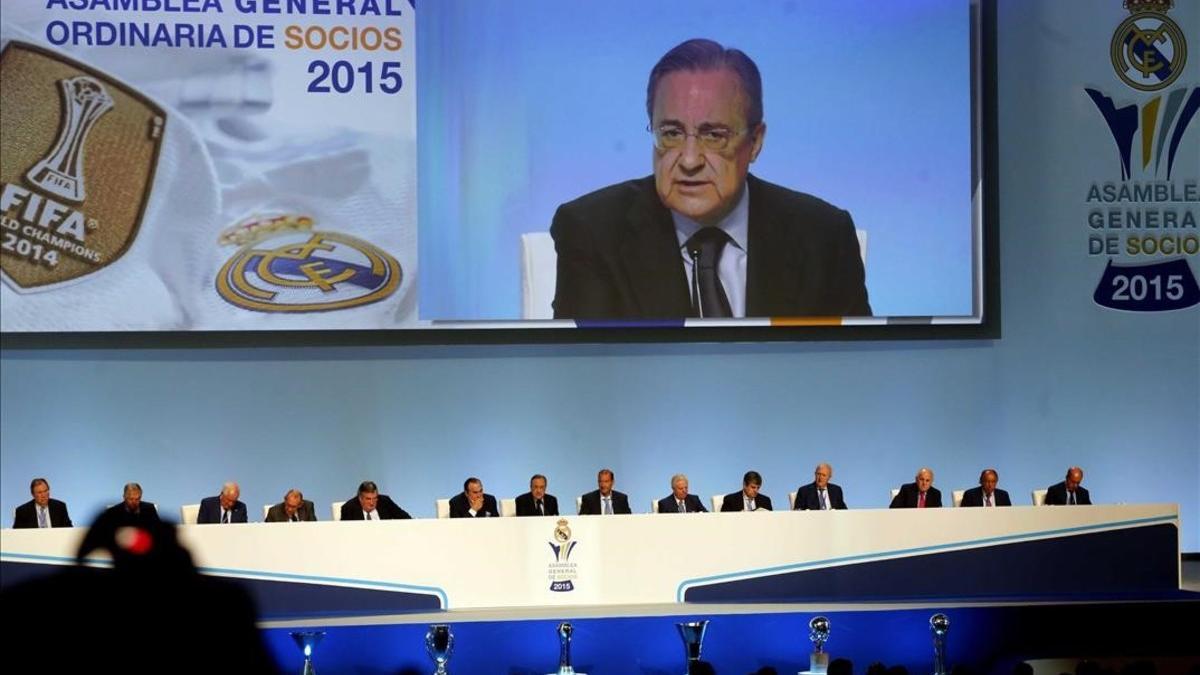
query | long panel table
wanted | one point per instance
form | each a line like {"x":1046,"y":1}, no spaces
{"x":325,"y":568}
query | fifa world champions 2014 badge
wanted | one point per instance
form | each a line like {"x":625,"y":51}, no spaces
{"x":562,"y":572}
{"x":1145,"y":224}
{"x":80,"y":151}
{"x":284,"y":265}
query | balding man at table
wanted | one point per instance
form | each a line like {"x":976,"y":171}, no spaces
{"x":223,"y":509}
{"x":1069,"y":492}
{"x":293,"y":509}
{"x":920,"y":494}
{"x":987,"y":494}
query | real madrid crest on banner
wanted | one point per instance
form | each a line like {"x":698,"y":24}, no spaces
{"x":1146,"y":223}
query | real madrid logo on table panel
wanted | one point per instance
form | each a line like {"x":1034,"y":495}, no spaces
{"x":562,"y":573}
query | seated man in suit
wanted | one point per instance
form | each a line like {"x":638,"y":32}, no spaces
{"x":1069,"y":492}
{"x":368,"y":504}
{"x":536,"y":502}
{"x":293,"y":509}
{"x":820,"y":495}
{"x":472,"y":502}
{"x":223,"y":509}
{"x":987,"y":494}
{"x":702,"y":237}
{"x":919,"y":494}
{"x":604,"y":501}
{"x":132,"y":510}
{"x":679,"y":501}
{"x":748,"y":498}
{"x":41,"y":511}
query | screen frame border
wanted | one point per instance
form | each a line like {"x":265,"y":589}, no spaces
{"x":985,"y":139}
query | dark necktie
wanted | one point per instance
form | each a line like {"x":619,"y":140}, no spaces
{"x":295,"y":518}
{"x":225,"y":518}
{"x":541,"y":511}
{"x":921,"y":501}
{"x":824,"y":504}
{"x":705,"y":248}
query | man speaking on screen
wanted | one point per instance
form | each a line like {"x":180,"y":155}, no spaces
{"x":702,"y":237}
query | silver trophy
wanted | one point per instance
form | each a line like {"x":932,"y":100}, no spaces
{"x":939,"y":624}
{"x":565,"y":631}
{"x":439,"y":642}
{"x":307,"y":642}
{"x":692,"y":633}
{"x":818,"y":633}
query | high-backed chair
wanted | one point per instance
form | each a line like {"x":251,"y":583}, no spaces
{"x":188,"y":513}
{"x":958,"y":495}
{"x":653,"y":506}
{"x":539,"y":272}
{"x":791,"y":500}
{"x":508,"y":507}
{"x":442,"y":506}
{"x":1039,"y":497}
{"x":578,"y":504}
{"x":716,"y":503}
{"x":266,"y":509}
{"x":895,"y":491}
{"x":336,"y":510}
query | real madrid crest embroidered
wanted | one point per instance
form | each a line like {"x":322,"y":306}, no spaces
{"x":284,"y":265}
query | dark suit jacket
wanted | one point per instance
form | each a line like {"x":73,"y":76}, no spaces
{"x":974,"y":497}
{"x":692,"y":504}
{"x":1057,"y":494}
{"x":735,"y":501}
{"x":307,"y":513}
{"x":526,"y":507}
{"x":907,"y":498}
{"x":210,"y":511}
{"x":619,"y":258}
{"x":146,"y":514}
{"x":388,"y":509}
{"x":461,"y":508}
{"x":26,"y":514}
{"x":807,"y":498}
{"x":593,"y":506}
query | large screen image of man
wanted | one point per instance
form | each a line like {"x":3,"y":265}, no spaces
{"x":703,"y":237}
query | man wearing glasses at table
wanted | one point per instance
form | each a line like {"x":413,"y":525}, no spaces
{"x":702,"y":237}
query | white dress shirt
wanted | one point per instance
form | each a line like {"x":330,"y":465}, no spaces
{"x":731,"y":267}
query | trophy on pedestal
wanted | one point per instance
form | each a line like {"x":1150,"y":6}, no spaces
{"x":692,"y":633}
{"x":565,"y":630}
{"x":818,"y":633}
{"x":439,"y":642}
{"x":939,"y":624}
{"x":307,"y":642}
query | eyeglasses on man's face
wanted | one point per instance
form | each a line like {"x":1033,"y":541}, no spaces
{"x":712,"y":138}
